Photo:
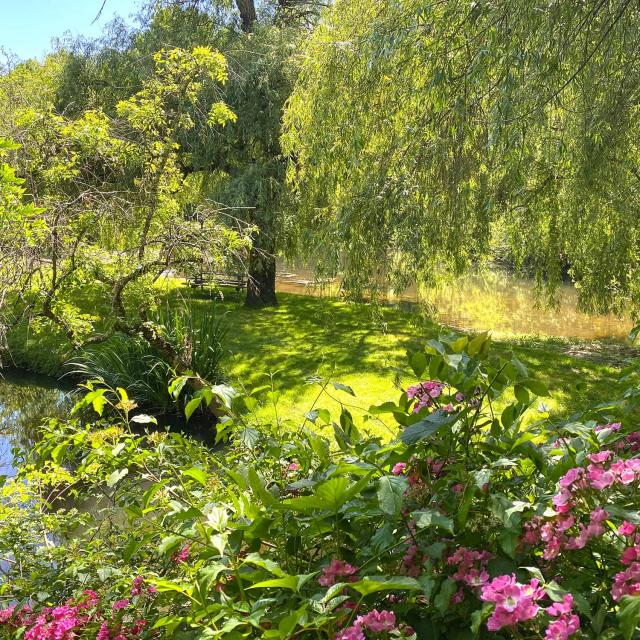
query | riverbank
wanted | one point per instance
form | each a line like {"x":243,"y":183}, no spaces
{"x":307,"y":338}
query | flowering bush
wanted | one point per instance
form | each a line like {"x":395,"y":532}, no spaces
{"x":482,"y":519}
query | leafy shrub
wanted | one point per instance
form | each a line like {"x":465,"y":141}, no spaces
{"x":205,"y":336}
{"x":133,"y":364}
{"x":469,"y":524}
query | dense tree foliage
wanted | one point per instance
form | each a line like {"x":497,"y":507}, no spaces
{"x":244,"y":163}
{"x":107,"y":213}
{"x":421,"y":129}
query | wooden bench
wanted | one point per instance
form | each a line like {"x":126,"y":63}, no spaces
{"x":236,"y":280}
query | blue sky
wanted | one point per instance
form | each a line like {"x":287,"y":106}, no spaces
{"x":27,"y":26}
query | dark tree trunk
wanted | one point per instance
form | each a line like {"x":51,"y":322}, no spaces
{"x":247,"y":9}
{"x":261,"y":284}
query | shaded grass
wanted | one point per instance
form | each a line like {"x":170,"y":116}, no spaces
{"x":307,"y":338}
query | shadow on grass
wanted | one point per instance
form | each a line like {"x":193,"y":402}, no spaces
{"x":305,"y":335}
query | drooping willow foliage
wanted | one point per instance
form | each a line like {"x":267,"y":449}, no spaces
{"x":421,"y":128}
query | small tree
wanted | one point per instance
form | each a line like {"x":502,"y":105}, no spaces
{"x":108,"y":212}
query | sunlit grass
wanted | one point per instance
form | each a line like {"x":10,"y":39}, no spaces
{"x":306,"y":340}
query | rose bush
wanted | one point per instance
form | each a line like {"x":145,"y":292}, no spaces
{"x":484,"y":518}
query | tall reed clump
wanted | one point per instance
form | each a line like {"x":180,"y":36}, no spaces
{"x":135,"y":365}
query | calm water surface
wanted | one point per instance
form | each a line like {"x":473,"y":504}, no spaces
{"x":25,"y":401}
{"x":496,"y":301}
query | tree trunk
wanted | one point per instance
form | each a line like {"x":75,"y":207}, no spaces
{"x":261,"y":284}
{"x":247,"y":9}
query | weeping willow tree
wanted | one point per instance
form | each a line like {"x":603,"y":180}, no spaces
{"x":419,"y":129}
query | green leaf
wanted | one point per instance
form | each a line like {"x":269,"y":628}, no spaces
{"x":257,"y":485}
{"x":293,"y":583}
{"x":429,"y":518}
{"x":385,"y":407}
{"x":151,"y":492}
{"x":167,"y":586}
{"x":508,"y":416}
{"x":177,"y":385}
{"x":390,"y":494}
{"x":143,"y":418}
{"x":629,"y":615}
{"x":465,"y":505}
{"x":343,"y":387}
{"x":249,"y":437}
{"x":116,"y":476}
{"x":192,"y":405}
{"x":475,"y":345}
{"x":435,"y":347}
{"x":458,"y":346}
{"x":98,"y":404}
{"x":331,"y":495}
{"x":264,"y":563}
{"x":442,"y":600}
{"x":170,"y":544}
{"x":426,"y":427}
{"x":374,"y":584}
{"x":521,"y":394}
{"x":509,"y":542}
{"x":418,"y":362}
{"x":131,"y":548}
{"x":197,"y":474}
{"x":536,"y":387}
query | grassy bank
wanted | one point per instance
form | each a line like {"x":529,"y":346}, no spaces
{"x":307,"y":338}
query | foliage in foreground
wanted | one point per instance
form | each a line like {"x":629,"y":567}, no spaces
{"x":466,"y":526}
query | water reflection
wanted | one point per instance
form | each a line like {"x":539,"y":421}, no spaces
{"x":495,"y":301}
{"x":25,"y":401}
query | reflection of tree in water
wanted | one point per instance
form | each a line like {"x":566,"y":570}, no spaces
{"x":25,"y":401}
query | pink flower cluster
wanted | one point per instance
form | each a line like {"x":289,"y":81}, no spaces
{"x":13,"y":618}
{"x":630,"y":441}
{"x":139,"y":587}
{"x":376,"y":621}
{"x":565,"y":622}
{"x":413,"y":561}
{"x":514,"y":602}
{"x":337,"y":571}
{"x":424,"y":393}
{"x":603,"y":472}
{"x":627,"y":582}
{"x":182,"y":555}
{"x":68,"y":621}
{"x":399,"y":468}
{"x":472,"y":566}
{"x":614,"y":426}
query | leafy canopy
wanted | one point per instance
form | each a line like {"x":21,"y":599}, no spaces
{"x":421,"y":131}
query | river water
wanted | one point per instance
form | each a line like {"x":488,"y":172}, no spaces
{"x":495,"y":302}
{"x":25,"y":401}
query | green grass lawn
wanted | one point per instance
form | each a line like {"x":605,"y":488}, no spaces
{"x":306,"y":338}
{"x":361,"y":346}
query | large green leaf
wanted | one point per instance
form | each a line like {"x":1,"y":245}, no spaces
{"x":373,"y":584}
{"x":629,"y":615}
{"x":428,"y":518}
{"x":427,"y":427}
{"x":331,"y":495}
{"x":390,"y":494}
